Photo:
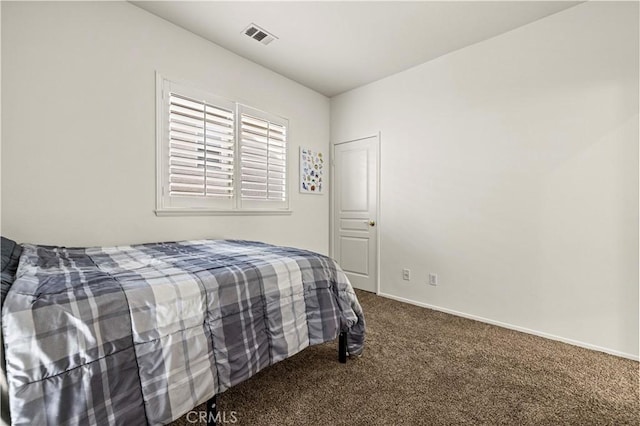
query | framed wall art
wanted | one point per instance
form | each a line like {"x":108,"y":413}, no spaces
{"x":312,"y":176}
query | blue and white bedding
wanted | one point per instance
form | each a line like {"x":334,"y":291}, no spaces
{"x":142,"y":334}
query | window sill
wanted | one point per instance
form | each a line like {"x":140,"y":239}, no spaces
{"x":208,"y":212}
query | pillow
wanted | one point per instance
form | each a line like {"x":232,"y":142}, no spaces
{"x":11,"y":252}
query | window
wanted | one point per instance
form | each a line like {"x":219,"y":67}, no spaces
{"x":218,"y":156}
{"x":263,"y":158}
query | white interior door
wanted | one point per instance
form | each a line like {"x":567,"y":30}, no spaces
{"x":355,"y":207}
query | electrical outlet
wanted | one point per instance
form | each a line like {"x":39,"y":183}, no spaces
{"x":406,"y":274}
{"x":433,"y":279}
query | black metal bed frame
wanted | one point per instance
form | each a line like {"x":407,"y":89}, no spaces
{"x":212,"y":404}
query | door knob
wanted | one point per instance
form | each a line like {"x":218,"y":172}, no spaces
{"x":372,"y":223}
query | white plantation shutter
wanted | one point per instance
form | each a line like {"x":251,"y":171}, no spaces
{"x":263,"y":159}
{"x":215,"y":155}
{"x":201,"y":148}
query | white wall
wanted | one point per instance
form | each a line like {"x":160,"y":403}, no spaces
{"x":510,"y":168}
{"x":78,"y":133}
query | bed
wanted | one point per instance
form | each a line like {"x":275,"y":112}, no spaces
{"x":142,"y":334}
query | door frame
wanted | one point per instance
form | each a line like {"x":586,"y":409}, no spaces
{"x":332,"y":201}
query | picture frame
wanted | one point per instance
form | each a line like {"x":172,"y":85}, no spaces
{"x":312,"y":171}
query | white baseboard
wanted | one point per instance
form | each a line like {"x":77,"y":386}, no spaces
{"x":513,"y":327}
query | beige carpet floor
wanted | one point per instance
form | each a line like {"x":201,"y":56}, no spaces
{"x":423,"y":367}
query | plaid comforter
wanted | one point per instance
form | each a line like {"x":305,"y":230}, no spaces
{"x":142,"y":334}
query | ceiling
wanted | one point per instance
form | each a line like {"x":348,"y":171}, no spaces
{"x":332,"y":47}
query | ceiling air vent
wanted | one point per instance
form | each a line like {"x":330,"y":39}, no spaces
{"x":257,"y":33}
